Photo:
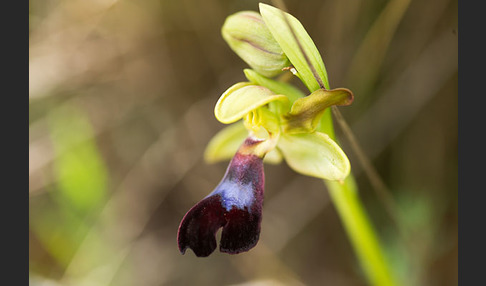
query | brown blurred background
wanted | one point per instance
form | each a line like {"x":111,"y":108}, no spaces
{"x":121,"y":109}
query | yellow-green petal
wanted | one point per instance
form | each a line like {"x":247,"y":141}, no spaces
{"x":306,"y":112}
{"x":242,"y":98}
{"x":314,"y":154}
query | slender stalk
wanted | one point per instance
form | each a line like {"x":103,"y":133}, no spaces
{"x":379,"y":186}
{"x":356,"y":222}
{"x":360,"y":231}
{"x":358,"y":227}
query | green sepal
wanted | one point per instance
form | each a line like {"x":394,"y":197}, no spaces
{"x":226,"y":142}
{"x":242,"y":98}
{"x":277,"y":87}
{"x":273,"y":157}
{"x":314,"y":154}
{"x":247,"y":35}
{"x":278,"y":23}
{"x":306,"y":112}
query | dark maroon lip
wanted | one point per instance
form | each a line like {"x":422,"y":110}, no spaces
{"x":235,"y":205}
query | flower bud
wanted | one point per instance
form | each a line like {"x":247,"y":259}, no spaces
{"x":248,"y":36}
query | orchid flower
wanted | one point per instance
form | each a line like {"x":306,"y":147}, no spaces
{"x":235,"y":205}
{"x":270,"y":121}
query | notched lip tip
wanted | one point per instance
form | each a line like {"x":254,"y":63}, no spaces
{"x":182,"y":250}
{"x":202,"y":254}
{"x":232,"y":252}
{"x":238,"y":250}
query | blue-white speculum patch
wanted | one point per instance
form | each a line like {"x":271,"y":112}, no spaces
{"x":234,"y":194}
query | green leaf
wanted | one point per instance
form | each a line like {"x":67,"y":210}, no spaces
{"x":79,"y":170}
{"x":242,"y":98}
{"x":314,"y":154}
{"x":306,"y":112}
{"x":278,"y":23}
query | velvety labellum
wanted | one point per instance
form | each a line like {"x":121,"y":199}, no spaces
{"x":235,"y":205}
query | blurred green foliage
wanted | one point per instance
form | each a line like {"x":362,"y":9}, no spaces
{"x":80,"y":189}
{"x":82,"y":175}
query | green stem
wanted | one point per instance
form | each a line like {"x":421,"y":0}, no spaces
{"x":357,"y":224}
{"x":360,"y":231}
